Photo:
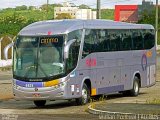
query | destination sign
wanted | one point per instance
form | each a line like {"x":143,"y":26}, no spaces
{"x":49,"y":40}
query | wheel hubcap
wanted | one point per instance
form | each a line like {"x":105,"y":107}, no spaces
{"x":136,"y":87}
{"x":84,"y":95}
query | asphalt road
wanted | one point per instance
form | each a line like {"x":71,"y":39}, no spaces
{"x":5,"y":75}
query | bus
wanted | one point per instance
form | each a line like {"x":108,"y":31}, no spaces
{"x":78,"y":59}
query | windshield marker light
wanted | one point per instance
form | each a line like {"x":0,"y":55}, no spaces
{"x":49,"y":32}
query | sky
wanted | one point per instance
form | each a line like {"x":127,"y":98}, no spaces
{"x":91,"y":3}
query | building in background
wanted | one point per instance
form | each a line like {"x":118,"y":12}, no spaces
{"x":85,"y":14}
{"x":74,"y":11}
{"x":67,"y":8}
{"x":132,"y":13}
{"x":126,"y":13}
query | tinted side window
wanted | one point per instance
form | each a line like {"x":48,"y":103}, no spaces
{"x":137,"y":39}
{"x":114,"y":40}
{"x":149,"y":39}
{"x":89,"y":43}
{"x":126,"y":42}
{"x":103,"y":41}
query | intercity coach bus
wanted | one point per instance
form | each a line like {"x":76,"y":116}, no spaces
{"x":77,"y":59}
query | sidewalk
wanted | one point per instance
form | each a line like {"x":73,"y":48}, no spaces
{"x":134,"y":108}
{"x":126,"y":111}
{"x":146,"y":105}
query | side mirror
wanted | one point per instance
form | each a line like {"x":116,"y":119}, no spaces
{"x":6,"y":50}
{"x":67,"y":47}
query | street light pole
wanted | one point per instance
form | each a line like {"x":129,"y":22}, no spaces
{"x":98,"y":9}
{"x":156,"y":25}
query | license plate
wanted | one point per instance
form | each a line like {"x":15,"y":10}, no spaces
{"x":36,"y":95}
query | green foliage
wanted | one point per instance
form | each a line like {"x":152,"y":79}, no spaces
{"x":12,"y":24}
{"x":23,"y":7}
{"x":12,"y":20}
{"x":64,"y":16}
{"x":153,"y":101}
{"x":149,"y":18}
{"x":84,"y":6}
{"x":31,"y":7}
{"x":107,"y":14}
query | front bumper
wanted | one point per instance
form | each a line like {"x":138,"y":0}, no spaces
{"x":43,"y":95}
{"x":39,"y":90}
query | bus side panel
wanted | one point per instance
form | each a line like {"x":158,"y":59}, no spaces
{"x":126,"y":77}
{"x":88,"y":64}
{"x":109,"y":73}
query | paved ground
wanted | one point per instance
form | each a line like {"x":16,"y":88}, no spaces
{"x":135,"y":108}
{"x":5,"y":75}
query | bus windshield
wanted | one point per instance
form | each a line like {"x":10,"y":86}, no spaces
{"x":38,"y":57}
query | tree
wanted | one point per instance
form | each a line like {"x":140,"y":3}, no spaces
{"x":31,"y":7}
{"x":64,"y":16}
{"x":149,"y":18}
{"x":83,"y":6}
{"x":23,"y":7}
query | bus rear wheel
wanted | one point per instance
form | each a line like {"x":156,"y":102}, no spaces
{"x":40,"y":103}
{"x":136,"y":86}
{"x":84,"y":99}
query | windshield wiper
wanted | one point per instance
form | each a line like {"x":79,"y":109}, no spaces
{"x":42,"y":70}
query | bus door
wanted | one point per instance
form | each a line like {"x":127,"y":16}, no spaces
{"x":89,"y":57}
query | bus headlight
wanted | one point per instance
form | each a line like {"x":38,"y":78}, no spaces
{"x":60,"y":85}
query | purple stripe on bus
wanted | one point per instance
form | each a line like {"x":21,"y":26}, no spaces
{"x":29,"y":84}
{"x":111,"y":89}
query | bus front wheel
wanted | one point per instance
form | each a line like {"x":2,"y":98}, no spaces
{"x":40,"y":103}
{"x":84,"y":99}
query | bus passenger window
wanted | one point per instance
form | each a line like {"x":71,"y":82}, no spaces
{"x":126,"y":42}
{"x":149,"y":39}
{"x":137,"y":40}
{"x":114,"y":40}
{"x":89,"y":43}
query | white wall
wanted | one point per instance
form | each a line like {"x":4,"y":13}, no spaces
{"x":85,"y":14}
{"x":4,"y":63}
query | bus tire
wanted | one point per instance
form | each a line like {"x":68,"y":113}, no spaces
{"x":40,"y":103}
{"x":84,"y":99}
{"x":136,"y":86}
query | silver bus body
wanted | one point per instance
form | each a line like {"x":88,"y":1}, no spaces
{"x":104,"y":72}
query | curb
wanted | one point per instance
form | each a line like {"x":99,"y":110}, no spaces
{"x":119,"y":115}
{"x":97,"y":112}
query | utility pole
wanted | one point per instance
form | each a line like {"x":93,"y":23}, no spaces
{"x":156,"y":21}
{"x":98,"y":9}
{"x":47,"y":8}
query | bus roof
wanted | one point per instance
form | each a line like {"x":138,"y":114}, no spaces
{"x":53,"y":27}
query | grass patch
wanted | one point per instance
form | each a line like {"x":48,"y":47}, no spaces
{"x":153,"y":101}
{"x":95,"y":100}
